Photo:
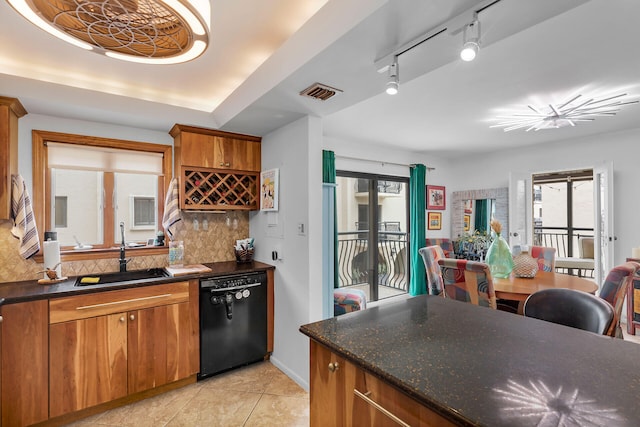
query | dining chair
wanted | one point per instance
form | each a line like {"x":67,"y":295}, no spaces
{"x":468,"y":281}
{"x":614,"y":289}
{"x":445,"y":244}
{"x":572,"y":308}
{"x":546,"y":257}
{"x":430,"y":256}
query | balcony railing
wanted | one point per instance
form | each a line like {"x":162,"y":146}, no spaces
{"x":353,"y":259}
{"x":559,"y":237}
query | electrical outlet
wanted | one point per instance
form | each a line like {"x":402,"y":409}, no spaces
{"x":302,"y":230}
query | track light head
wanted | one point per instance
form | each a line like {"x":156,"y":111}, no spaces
{"x":469,"y":51}
{"x":470,"y":43}
{"x":393,"y":83}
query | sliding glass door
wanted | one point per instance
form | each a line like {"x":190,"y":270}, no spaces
{"x":372,"y":215}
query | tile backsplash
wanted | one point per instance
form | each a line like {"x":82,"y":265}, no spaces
{"x":211,"y":245}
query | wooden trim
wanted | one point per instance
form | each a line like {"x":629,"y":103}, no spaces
{"x":107,"y":253}
{"x":270,"y":308}
{"x":178,"y":128}
{"x":42,"y":179}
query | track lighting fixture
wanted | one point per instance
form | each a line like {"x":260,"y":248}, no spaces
{"x":471,"y":40}
{"x":392,"y":82}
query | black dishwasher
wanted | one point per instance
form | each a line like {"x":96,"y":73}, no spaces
{"x":233,"y":321}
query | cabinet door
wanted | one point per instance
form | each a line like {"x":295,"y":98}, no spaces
{"x":159,"y":344}
{"x":371,"y":401}
{"x":88,"y":362}
{"x":327,"y":397}
{"x":197,"y":150}
{"x":237,"y":154}
{"x":24,"y":375}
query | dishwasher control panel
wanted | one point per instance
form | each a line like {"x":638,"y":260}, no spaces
{"x":233,"y":281}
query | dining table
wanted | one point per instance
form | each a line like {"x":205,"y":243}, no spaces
{"x":519,"y":288}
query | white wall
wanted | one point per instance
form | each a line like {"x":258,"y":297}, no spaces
{"x":295,"y":150}
{"x":492,"y":171}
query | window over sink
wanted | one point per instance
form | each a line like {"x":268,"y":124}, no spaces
{"x":85,"y":186}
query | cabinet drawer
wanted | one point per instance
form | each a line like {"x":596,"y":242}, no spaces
{"x":103,"y":303}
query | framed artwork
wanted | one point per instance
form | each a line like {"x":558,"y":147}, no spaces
{"x":467,"y":222}
{"x":269,"y":183}
{"x":468,"y":206}
{"x":436,"y":197}
{"x":434,"y":221}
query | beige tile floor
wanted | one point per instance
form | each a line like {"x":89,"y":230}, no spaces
{"x":252,"y":396}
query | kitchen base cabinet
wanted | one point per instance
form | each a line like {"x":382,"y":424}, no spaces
{"x":114,"y":344}
{"x":343,"y":394}
{"x":25,"y":340}
{"x":88,"y":362}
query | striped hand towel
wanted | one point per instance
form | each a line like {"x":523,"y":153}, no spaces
{"x":171,"y":209}
{"x":24,"y":223}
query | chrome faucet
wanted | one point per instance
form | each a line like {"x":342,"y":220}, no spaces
{"x":123,"y":261}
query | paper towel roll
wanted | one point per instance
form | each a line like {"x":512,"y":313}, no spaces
{"x":52,"y":256}
{"x":635,"y":253}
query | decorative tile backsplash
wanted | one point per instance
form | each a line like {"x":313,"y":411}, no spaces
{"x":200,"y":246}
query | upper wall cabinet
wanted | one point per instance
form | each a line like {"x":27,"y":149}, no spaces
{"x":210,"y":148}
{"x":218,"y":170}
{"x":10,"y":111}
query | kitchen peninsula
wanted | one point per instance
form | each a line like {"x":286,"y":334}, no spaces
{"x":431,"y":361}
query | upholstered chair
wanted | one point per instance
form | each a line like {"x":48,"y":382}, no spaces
{"x":445,"y":244}
{"x":614,"y":289}
{"x":572,"y":308}
{"x":430,"y":256}
{"x":468,"y":281}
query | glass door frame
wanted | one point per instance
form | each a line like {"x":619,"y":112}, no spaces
{"x":373,"y":218}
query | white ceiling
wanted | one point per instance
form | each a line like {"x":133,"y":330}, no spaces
{"x":262,"y":54}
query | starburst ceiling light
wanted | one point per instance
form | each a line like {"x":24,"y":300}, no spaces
{"x":146,"y":31}
{"x":567,"y":114}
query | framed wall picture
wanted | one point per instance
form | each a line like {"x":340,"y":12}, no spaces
{"x":436,"y":198}
{"x":468,"y":206}
{"x":467,"y":222}
{"x":434,"y":221}
{"x":269,"y":183}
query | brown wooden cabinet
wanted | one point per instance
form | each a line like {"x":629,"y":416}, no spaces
{"x":342,"y":394}
{"x":214,"y":149}
{"x":24,"y":372}
{"x":218,"y":170}
{"x":10,"y":111}
{"x":112,"y":344}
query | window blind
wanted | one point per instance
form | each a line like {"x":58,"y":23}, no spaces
{"x":71,"y":156}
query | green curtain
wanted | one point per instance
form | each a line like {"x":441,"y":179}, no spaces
{"x":329,"y":176}
{"x":482,"y":215}
{"x":417,"y":208}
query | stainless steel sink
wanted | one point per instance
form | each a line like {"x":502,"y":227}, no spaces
{"x":127,"y":276}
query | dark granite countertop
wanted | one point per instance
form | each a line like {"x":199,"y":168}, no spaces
{"x":482,"y":367}
{"x":12,"y":292}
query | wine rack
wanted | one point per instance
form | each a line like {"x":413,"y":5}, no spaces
{"x":209,"y":189}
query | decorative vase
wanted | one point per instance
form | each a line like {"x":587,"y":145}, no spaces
{"x":525,"y":265}
{"x":499,"y":258}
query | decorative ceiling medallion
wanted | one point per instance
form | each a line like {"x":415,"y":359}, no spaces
{"x":567,"y":114}
{"x":149,"y":31}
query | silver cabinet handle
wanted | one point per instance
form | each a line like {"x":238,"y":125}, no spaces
{"x":106,"y":304}
{"x":1,"y":319}
{"x":376,"y":405}
{"x":334,"y":366}
{"x":121,"y":319}
{"x":132,"y":317}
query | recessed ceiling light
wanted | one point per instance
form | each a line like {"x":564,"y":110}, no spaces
{"x":566,"y":114}
{"x":148,"y":31}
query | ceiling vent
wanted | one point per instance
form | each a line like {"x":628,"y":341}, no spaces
{"x":320,"y":91}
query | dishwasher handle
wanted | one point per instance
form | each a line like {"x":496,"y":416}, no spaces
{"x":228,"y":300}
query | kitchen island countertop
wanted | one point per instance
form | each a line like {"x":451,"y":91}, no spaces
{"x":482,"y":367}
